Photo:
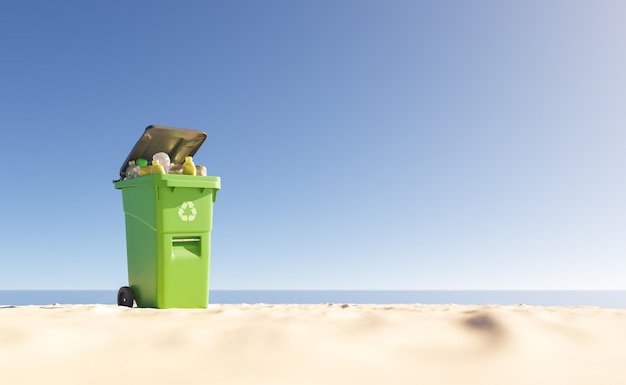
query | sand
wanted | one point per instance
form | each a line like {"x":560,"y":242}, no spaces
{"x":312,"y":344}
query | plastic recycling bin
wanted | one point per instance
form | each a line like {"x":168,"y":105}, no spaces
{"x":168,"y":225}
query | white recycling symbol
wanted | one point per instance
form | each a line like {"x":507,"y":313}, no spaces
{"x":187,"y":212}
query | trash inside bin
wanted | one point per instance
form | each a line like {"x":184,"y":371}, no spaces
{"x":169,"y":216}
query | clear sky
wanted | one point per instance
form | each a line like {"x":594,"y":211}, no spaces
{"x":361,"y":144}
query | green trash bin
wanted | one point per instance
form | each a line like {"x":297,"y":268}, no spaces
{"x":168,"y":225}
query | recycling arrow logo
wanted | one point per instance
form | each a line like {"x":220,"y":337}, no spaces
{"x":187,"y":212}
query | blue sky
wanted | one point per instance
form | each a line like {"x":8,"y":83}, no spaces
{"x":361,"y":144}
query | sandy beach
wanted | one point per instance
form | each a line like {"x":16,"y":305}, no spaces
{"x":312,"y":344}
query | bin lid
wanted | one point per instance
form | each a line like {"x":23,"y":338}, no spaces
{"x":176,"y":142}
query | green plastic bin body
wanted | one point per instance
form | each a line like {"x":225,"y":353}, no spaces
{"x":168,"y":238}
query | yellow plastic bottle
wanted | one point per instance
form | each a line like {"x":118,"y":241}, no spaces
{"x":146,"y":170}
{"x":189,"y":168}
{"x":157,"y":168}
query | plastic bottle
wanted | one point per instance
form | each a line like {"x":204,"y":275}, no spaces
{"x":175,"y":169}
{"x":143,"y":168}
{"x":189,"y":168}
{"x":163,"y":159}
{"x":200,"y":170}
{"x":131,"y":170}
{"x":147,"y":170}
{"x":157,"y":168}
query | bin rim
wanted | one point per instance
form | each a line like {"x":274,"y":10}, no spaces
{"x":176,"y":142}
{"x":171,"y":180}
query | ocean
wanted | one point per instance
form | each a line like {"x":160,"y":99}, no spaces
{"x":601,"y":298}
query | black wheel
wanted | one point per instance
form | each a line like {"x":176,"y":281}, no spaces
{"x":125,"y":296}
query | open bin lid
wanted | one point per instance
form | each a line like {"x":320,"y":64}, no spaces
{"x":176,"y":142}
